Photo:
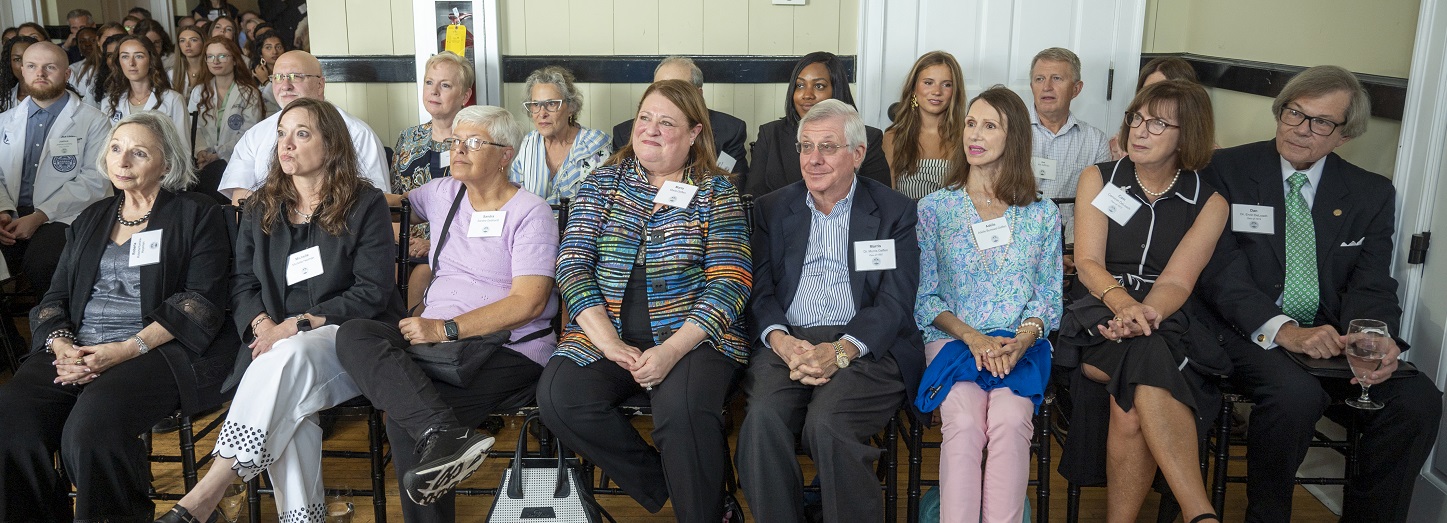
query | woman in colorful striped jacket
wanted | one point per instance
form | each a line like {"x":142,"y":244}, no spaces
{"x":655,"y":269}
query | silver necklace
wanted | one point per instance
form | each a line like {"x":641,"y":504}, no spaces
{"x":307,"y":218}
{"x":1154,"y":194}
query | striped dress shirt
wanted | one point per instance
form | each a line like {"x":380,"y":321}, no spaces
{"x":1076,"y":146}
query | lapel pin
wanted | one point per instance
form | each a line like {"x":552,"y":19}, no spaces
{"x":1336,"y":212}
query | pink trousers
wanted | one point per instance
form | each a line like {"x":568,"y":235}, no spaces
{"x":975,"y":422}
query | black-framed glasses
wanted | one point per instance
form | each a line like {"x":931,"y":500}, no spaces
{"x":551,"y":106}
{"x":1154,"y":126}
{"x":217,"y":57}
{"x":292,"y":77}
{"x":472,"y":144}
{"x":1318,"y":126}
{"x":826,"y":148}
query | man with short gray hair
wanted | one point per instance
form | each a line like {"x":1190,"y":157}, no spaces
{"x":78,"y":19}
{"x":1062,"y":145}
{"x":836,"y":269}
{"x":1309,"y":250}
{"x":729,"y":133}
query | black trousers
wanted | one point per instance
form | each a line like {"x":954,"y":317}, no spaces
{"x":580,"y":405}
{"x":96,"y":429}
{"x":37,"y":257}
{"x":834,"y":421}
{"x":1289,"y":401}
{"x":372,"y":353}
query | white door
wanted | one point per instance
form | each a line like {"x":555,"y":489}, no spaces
{"x":994,"y":41}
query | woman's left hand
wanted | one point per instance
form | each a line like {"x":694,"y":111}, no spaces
{"x":268,"y":337}
{"x":655,"y":364}
{"x":1004,"y":361}
{"x":422,"y":330}
{"x":419,"y":247}
{"x":101,"y":358}
{"x":1136,"y":318}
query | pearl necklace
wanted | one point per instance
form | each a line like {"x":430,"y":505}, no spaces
{"x":1154,"y":194}
{"x":131,"y":223}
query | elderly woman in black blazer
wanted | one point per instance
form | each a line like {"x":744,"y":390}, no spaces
{"x":314,"y":250}
{"x":131,"y":330}
{"x":818,"y":76}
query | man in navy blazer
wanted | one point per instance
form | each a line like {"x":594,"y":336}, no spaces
{"x":1342,"y":272}
{"x":836,"y":269}
{"x":729,"y":133}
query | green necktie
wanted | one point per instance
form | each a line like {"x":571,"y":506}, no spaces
{"x":1302,"y":295}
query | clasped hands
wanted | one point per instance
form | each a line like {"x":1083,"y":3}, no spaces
{"x":1135,"y":319}
{"x":22,"y":228}
{"x":647,"y":367}
{"x":810,"y":364}
{"x":997,"y":354}
{"x":82,"y":364}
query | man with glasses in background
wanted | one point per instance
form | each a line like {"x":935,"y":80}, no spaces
{"x":1309,"y":249}
{"x":297,"y":74}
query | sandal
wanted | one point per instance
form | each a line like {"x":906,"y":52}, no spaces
{"x":1204,"y":517}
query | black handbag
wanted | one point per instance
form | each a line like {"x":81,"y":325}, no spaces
{"x":544,"y":488}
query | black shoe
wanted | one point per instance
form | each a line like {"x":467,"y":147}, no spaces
{"x":448,"y":457}
{"x":170,"y":423}
{"x":179,"y":514}
{"x":733,"y":513}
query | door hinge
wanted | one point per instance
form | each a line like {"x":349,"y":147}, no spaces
{"x":1417,"y":253}
{"x":1110,"y":83}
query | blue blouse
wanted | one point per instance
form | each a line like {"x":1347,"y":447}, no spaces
{"x":530,"y":169}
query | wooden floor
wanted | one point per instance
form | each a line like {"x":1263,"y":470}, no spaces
{"x":352,"y":435}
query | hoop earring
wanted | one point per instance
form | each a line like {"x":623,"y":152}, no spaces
{"x":913,"y":102}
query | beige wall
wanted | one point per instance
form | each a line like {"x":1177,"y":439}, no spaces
{"x":1373,"y":37}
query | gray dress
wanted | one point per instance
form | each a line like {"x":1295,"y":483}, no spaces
{"x":928,"y":177}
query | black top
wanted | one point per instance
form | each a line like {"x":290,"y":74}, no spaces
{"x":776,"y":162}
{"x":1144,"y":245}
{"x":729,"y":136}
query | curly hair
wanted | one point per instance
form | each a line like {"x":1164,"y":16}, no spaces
{"x":242,"y":78}
{"x":341,"y":177}
{"x":117,"y":85}
{"x":151,"y":26}
{"x":8,"y":80}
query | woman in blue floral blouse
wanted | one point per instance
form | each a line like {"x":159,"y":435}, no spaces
{"x":554,"y":159}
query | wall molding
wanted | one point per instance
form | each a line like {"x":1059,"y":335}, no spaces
{"x":1388,"y":94}
{"x":623,"y":69}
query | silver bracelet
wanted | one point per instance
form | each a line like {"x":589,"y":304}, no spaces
{"x":143,"y":347}
{"x":56,"y":334}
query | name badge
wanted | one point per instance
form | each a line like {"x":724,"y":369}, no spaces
{"x":992,"y":233}
{"x":445,"y":159}
{"x":486,"y":224}
{"x":874,"y":255}
{"x":145,"y":248}
{"x":674,"y":194}
{"x":1044,"y":168}
{"x":726,"y":162}
{"x":1115,"y":203}
{"x":66,"y":146}
{"x":1260,"y":219}
{"x":304,"y":265}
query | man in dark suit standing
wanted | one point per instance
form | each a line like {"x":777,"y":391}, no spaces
{"x":1309,"y":250}
{"x":836,"y":268}
{"x":729,"y":134}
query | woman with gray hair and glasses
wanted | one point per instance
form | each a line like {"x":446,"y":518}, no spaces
{"x":145,"y":272}
{"x":553,"y":160}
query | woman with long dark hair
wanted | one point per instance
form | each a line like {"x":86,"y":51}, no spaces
{"x":12,"y":81}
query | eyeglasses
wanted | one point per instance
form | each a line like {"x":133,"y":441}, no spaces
{"x":551,"y":106}
{"x":1154,"y":126}
{"x":292,"y":77}
{"x":220,"y":58}
{"x":1319,"y":126}
{"x":827,"y":148}
{"x":472,"y":144}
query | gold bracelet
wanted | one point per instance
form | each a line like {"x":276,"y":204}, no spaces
{"x":1107,"y":290}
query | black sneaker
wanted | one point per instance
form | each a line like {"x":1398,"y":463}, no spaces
{"x":448,"y":457}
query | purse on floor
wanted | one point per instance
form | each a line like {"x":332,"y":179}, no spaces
{"x":536,"y":489}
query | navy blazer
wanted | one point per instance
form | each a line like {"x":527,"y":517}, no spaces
{"x":1354,"y":215}
{"x":883,"y":300}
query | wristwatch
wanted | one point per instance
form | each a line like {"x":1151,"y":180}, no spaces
{"x":840,"y":358}
{"x":449,"y":327}
{"x":302,"y":323}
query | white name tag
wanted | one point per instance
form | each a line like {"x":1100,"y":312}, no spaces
{"x":66,"y":145}
{"x":726,"y":162}
{"x":445,"y":159}
{"x":145,"y":248}
{"x":1044,"y":167}
{"x":486,"y":224}
{"x":874,"y":255}
{"x":991,"y":234}
{"x":1115,"y":203}
{"x":674,"y":194}
{"x":1260,"y":219}
{"x":303,"y":265}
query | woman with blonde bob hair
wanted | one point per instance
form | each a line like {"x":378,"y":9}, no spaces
{"x":924,"y":139}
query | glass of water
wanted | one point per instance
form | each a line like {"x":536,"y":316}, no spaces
{"x":232,"y":500}
{"x":1367,"y":342}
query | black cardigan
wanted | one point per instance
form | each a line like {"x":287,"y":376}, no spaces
{"x":357,"y":281}
{"x":776,"y":162}
{"x":186,"y":292}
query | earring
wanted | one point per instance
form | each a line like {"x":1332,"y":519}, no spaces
{"x":913,"y":102}
{"x":690,"y":142}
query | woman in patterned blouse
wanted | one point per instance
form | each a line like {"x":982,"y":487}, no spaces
{"x":989,"y":290}
{"x":925,"y":136}
{"x":655,"y":269}
{"x":554,"y":159}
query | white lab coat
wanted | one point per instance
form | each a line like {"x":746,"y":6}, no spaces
{"x":254,"y":153}
{"x":85,"y":83}
{"x":64,"y":184}
{"x":237,"y":117}
{"x":171,"y":105}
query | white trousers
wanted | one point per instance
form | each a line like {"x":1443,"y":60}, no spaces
{"x":272,"y":425}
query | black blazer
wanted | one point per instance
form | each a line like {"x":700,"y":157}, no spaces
{"x":1353,"y":212}
{"x":186,"y":292}
{"x":358,"y":280}
{"x":776,"y":162}
{"x":729,"y":136}
{"x":883,"y":300}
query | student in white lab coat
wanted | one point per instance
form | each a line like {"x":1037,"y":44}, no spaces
{"x":226,"y":101}
{"x":43,"y":188}
{"x":138,"y":83}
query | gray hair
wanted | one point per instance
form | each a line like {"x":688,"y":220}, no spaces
{"x":560,"y":78}
{"x":77,"y":13}
{"x":1059,"y":54}
{"x":695,"y":75}
{"x":498,"y":122}
{"x":179,"y":174}
{"x":832,"y":109}
{"x":1326,"y":79}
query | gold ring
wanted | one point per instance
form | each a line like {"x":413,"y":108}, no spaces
{"x":79,"y":361}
